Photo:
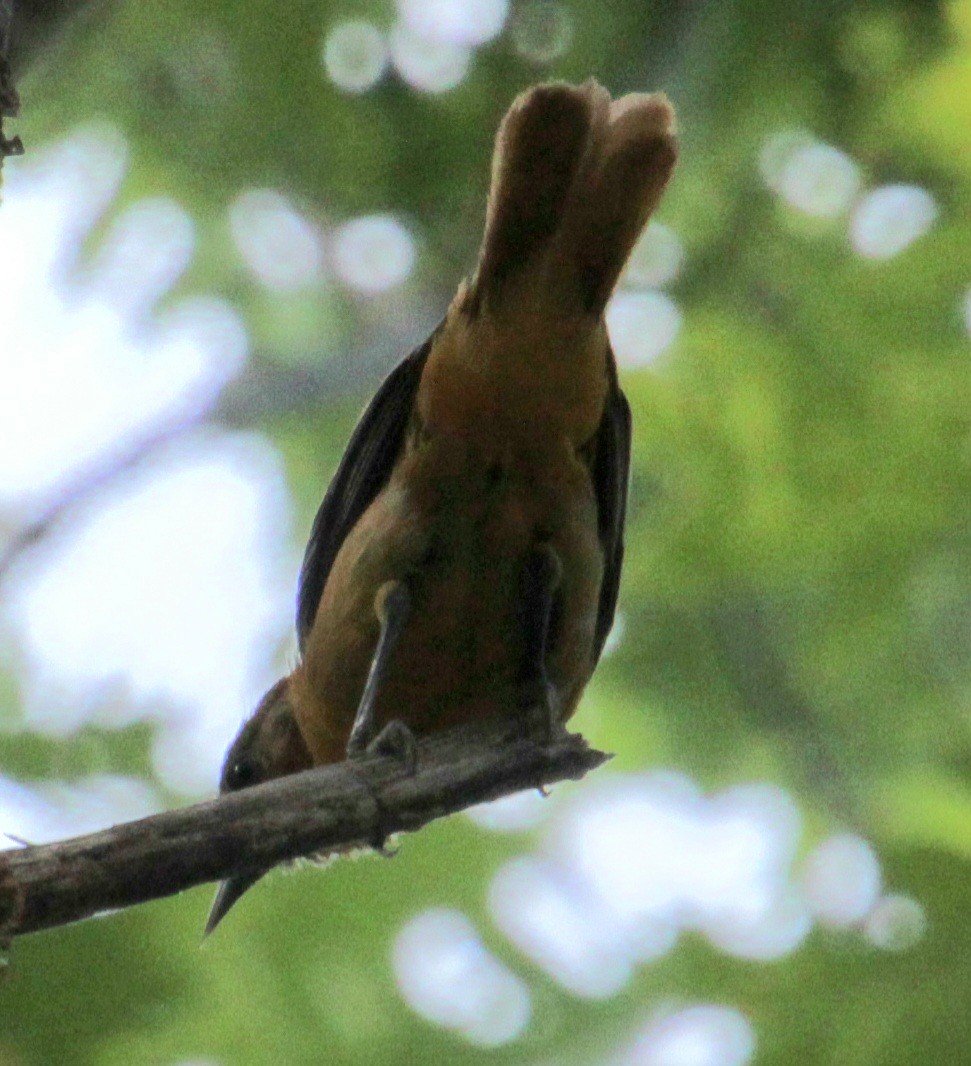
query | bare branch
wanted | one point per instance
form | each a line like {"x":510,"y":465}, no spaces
{"x":9,"y":100}
{"x":325,"y":810}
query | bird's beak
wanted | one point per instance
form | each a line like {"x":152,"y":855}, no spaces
{"x":227,"y":894}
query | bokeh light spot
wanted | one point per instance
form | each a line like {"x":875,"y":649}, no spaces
{"x":820,"y":180}
{"x":355,"y":55}
{"x":517,"y":813}
{"x":428,"y":65}
{"x":775,"y":928}
{"x":455,"y":22}
{"x":841,"y":879}
{"x":888,"y":220}
{"x":373,"y":253}
{"x":281,"y":248}
{"x":660,"y":856}
{"x":183,"y":604}
{"x":204,"y":334}
{"x":657,"y":257}
{"x":541,"y":30}
{"x":446,"y":974}
{"x":145,"y":251}
{"x":599,"y":827}
{"x":99,"y":372}
{"x":896,"y":923}
{"x":52,"y":810}
{"x":51,"y":200}
{"x":641,"y":326}
{"x":702,"y":1035}
{"x":563,"y":927}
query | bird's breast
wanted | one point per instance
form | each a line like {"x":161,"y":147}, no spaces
{"x":456,"y":521}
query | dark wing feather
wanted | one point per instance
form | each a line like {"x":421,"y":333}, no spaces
{"x":611,"y":471}
{"x":363,"y":472}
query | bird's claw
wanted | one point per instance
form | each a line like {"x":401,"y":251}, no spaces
{"x":543,"y":722}
{"x":380,"y":845}
{"x":398,"y":741}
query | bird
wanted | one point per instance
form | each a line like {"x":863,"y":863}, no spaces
{"x":466,"y":558}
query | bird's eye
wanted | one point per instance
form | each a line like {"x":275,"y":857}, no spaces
{"x":241,"y":774}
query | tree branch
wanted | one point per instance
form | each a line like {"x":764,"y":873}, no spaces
{"x":329,"y":809}
{"x":9,"y":100}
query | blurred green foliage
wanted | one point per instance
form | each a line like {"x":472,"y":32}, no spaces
{"x":798,"y":583}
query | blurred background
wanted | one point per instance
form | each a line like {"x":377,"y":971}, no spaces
{"x":231,"y":221}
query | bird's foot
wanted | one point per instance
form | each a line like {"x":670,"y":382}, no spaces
{"x":397,"y":741}
{"x":543,"y":723}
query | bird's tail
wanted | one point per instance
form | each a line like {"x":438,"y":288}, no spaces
{"x":575,"y":177}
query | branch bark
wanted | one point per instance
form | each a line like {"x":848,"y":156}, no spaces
{"x":321,"y":811}
{"x":9,"y":100}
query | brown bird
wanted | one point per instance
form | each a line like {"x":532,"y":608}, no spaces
{"x":466,"y":558}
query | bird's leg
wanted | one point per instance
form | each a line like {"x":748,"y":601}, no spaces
{"x":392,"y":606}
{"x":540,"y":580}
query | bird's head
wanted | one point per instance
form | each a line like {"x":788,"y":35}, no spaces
{"x":268,"y":746}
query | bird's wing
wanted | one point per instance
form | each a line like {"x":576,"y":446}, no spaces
{"x":611,"y":467}
{"x":363,"y":472}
